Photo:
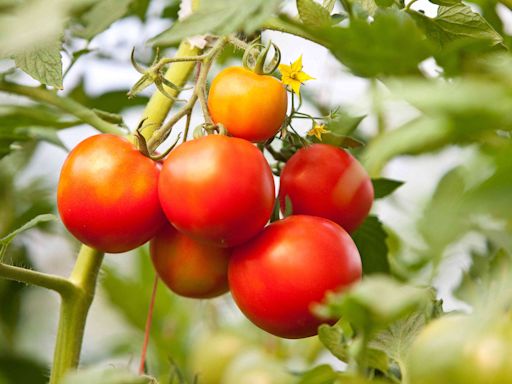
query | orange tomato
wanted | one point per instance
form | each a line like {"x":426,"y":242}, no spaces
{"x":250,"y":106}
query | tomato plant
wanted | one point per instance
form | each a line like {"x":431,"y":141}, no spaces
{"x":335,"y":105}
{"x":326,"y":181}
{"x":189,"y":268}
{"x":249,"y":105}
{"x":217,"y":189}
{"x":108,"y":194}
{"x":277,"y":277}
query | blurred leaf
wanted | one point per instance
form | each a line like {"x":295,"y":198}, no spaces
{"x":487,"y":284}
{"x":101,"y":16}
{"x":4,"y":241}
{"x":20,"y":370}
{"x":369,"y":49}
{"x":27,"y":27}
{"x":340,"y":128}
{"x":383,"y":187}
{"x":458,"y":21}
{"x":171,"y":315}
{"x":107,"y":376}
{"x":112,"y":101}
{"x":220,"y":17}
{"x":43,"y":63}
{"x":312,"y":13}
{"x":139,"y":8}
{"x":364,"y":308}
{"x":445,"y":2}
{"x":443,"y":220}
{"x":11,"y":296}
{"x":329,"y":5}
{"x":322,"y":374}
{"x":370,"y":239}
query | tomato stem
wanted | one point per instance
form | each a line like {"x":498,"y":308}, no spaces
{"x":147,"y":330}
{"x":47,"y":96}
{"x":73,"y":314}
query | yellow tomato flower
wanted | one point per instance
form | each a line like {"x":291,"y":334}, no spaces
{"x":293,"y":75}
{"x":317,"y":131}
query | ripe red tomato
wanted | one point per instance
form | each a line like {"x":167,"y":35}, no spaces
{"x":326,"y":181}
{"x":276,"y":277}
{"x":217,"y":189}
{"x":250,"y":106}
{"x":108,"y":194}
{"x":187,"y":267}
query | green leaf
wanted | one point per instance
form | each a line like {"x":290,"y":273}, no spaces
{"x":329,"y":5}
{"x":396,"y":339}
{"x":43,"y":64}
{"x":370,"y":239}
{"x":4,"y":241}
{"x":445,"y":2}
{"x":20,"y":369}
{"x":220,"y":17}
{"x":322,"y":374}
{"x":101,"y":16}
{"x":340,"y":345}
{"x":369,"y":49}
{"x":383,"y":187}
{"x":363,"y":305}
{"x":454,"y":22}
{"x":107,"y":376}
{"x":312,"y":13}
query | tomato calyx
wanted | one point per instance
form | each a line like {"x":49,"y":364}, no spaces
{"x":209,"y":129}
{"x":143,"y":147}
{"x":255,"y":57}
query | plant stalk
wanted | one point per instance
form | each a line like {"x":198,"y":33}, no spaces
{"x":66,"y":104}
{"x":75,"y":306}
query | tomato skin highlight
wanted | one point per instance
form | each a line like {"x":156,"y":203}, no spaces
{"x":276,"y":277}
{"x":187,"y":267}
{"x":107,"y":194}
{"x":217,"y":189}
{"x":326,"y":181}
{"x":250,"y":106}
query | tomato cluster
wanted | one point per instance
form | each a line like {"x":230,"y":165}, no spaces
{"x":206,"y":207}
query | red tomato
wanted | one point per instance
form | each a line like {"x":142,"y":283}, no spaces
{"x":250,"y":106}
{"x":189,"y":268}
{"x":217,"y":189}
{"x":108,"y":194}
{"x":326,"y":181}
{"x":276,"y":277}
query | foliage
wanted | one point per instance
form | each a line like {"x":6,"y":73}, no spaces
{"x":463,"y":103}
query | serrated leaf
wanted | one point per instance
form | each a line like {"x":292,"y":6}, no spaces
{"x":383,"y":187}
{"x":220,"y":17}
{"x":363,"y":307}
{"x":455,"y":22}
{"x":43,"y":64}
{"x":107,"y":376}
{"x":370,"y":239}
{"x":312,"y":13}
{"x":101,"y":16}
{"x":339,"y":344}
{"x":369,"y":49}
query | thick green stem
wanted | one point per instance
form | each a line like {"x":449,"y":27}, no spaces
{"x":66,"y":104}
{"x":73,"y":314}
{"x":159,"y":105}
